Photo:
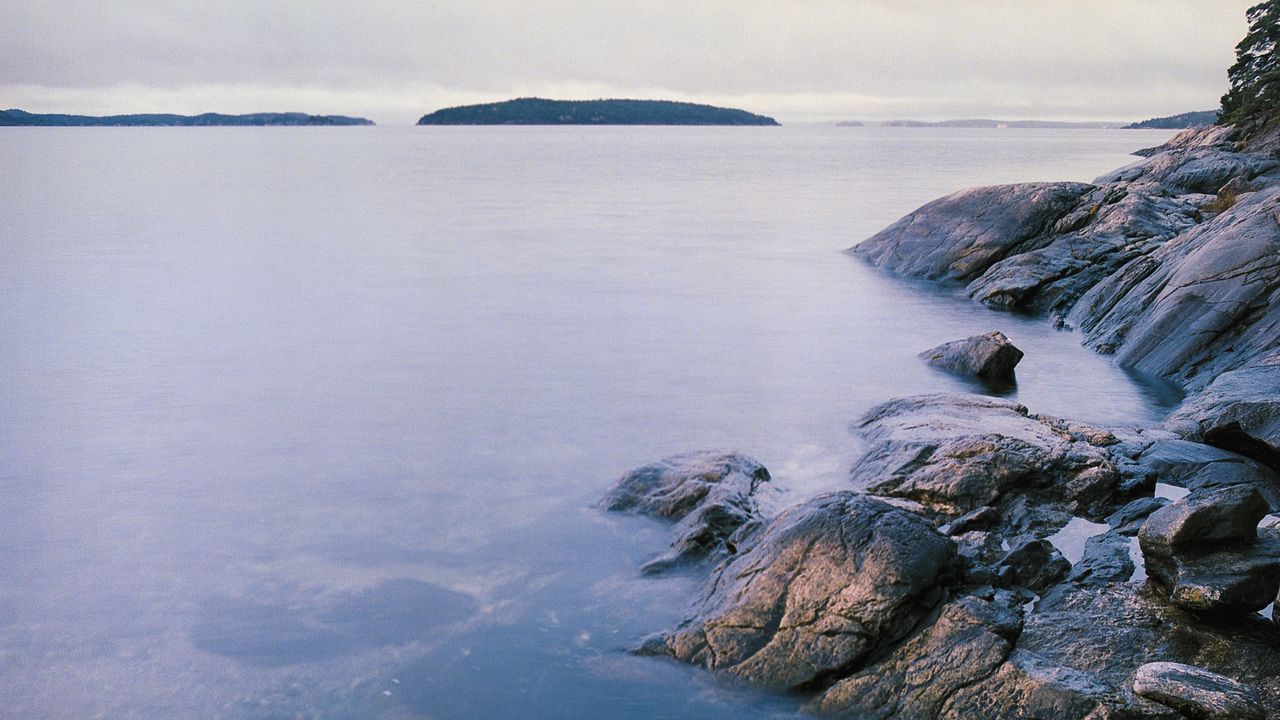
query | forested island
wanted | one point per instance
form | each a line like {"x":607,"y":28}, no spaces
{"x":1181,"y":121}
{"x":14,"y":117}
{"x":539,"y":111}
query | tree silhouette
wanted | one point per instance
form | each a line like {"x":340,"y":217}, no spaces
{"x":1255,"y":76}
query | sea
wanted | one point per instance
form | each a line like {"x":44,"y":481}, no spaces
{"x":313,"y":422}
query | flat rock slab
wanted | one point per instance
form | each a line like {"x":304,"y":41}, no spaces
{"x":985,"y":356}
{"x":827,"y":583}
{"x":1198,"y":693}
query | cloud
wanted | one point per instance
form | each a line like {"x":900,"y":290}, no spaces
{"x":394,"y":60}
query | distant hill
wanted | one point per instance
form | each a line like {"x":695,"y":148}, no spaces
{"x":985,"y":123}
{"x":537,"y":111}
{"x":20,"y":117}
{"x":1199,"y":118}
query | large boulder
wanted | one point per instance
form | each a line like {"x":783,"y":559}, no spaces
{"x":711,"y":495}
{"x":826,"y":584}
{"x":1197,"y":466}
{"x":956,"y":453}
{"x":1198,"y":693}
{"x":985,"y":356}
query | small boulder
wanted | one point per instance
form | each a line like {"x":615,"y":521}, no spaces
{"x":1197,"y":693}
{"x":826,"y":584}
{"x":1128,"y":520}
{"x":1032,"y":563}
{"x":711,"y":495}
{"x":989,"y":356}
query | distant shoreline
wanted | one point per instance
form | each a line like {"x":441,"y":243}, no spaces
{"x":21,"y":118}
{"x":540,"y":111}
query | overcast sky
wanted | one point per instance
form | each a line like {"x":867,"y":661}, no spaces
{"x":394,"y":60}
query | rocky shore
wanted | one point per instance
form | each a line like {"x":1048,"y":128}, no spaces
{"x":987,"y":561}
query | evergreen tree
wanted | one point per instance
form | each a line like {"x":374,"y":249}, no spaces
{"x":1255,"y":77}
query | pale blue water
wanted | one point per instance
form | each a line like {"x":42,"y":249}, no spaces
{"x":307,"y":422}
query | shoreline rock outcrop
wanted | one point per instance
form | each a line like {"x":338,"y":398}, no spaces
{"x":991,"y":562}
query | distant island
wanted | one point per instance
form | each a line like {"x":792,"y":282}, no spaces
{"x":19,"y":117}
{"x":538,"y":111}
{"x":1198,"y":118}
{"x":986,"y":123}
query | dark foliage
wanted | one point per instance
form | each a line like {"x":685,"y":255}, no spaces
{"x":1255,"y":76}
{"x":537,"y":111}
{"x":1198,"y":118}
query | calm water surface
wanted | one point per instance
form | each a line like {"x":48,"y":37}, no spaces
{"x":308,"y":422}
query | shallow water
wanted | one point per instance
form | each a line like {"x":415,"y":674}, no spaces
{"x":307,"y":422}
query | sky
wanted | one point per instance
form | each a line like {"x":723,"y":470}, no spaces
{"x":798,"y":61}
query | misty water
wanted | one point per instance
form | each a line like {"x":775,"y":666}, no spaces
{"x":308,"y":422}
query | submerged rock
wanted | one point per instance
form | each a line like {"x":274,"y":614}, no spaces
{"x":985,"y":356}
{"x":711,"y":495}
{"x":1198,"y":693}
{"x":826,"y":584}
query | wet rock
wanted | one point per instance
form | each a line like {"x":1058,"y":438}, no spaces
{"x":1198,"y":693}
{"x":1108,"y":631}
{"x":980,"y":519}
{"x":1129,"y":519}
{"x":1232,"y":579}
{"x":1106,"y":560}
{"x":711,"y":495}
{"x":968,"y":642}
{"x":1205,"y":517}
{"x":827,"y":583}
{"x":985,"y":356}
{"x":955,"y":453}
{"x":959,"y":236}
{"x":1032,"y":563}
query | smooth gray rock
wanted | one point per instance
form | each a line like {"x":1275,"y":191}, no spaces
{"x":827,"y":583}
{"x":712,"y":496}
{"x":955,"y":453}
{"x":959,"y":236}
{"x":986,"y":356}
{"x":967,"y":643}
{"x":1239,"y":411}
{"x":1200,"y":305}
{"x":1198,"y":693}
